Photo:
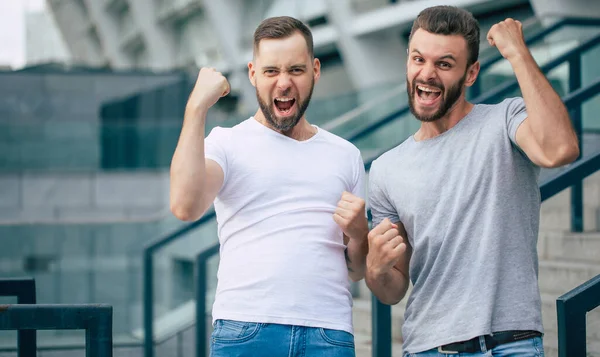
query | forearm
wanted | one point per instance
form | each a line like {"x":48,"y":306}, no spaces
{"x":389,"y":287}
{"x":356,"y":256}
{"x":188,"y":168}
{"x":547,"y":116}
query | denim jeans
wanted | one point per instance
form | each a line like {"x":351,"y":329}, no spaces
{"x":240,"y":339}
{"x":532,"y":347}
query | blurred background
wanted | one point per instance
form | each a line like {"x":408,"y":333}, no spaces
{"x":92,"y":95}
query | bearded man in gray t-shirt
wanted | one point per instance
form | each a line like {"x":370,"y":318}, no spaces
{"x":456,"y":206}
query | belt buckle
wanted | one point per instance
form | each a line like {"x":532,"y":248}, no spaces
{"x":442,"y":351}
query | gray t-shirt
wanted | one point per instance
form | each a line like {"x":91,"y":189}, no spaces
{"x":469,"y":200}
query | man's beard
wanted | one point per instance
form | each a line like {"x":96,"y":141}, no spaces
{"x":446,"y":102}
{"x":286,"y":124}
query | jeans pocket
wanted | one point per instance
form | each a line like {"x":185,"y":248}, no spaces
{"x":538,"y":343}
{"x":337,"y":337}
{"x":235,"y":331}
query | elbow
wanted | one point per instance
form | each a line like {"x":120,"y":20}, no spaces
{"x":563,"y":155}
{"x":184,"y":212}
{"x":355,"y":278}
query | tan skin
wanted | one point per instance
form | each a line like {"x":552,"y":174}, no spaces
{"x":546,"y":135}
{"x":281,"y":68}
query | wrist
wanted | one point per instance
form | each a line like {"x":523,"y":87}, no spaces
{"x":196,"y":110}
{"x":520,"y":57}
{"x":374,"y":274}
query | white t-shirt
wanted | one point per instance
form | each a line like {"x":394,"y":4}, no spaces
{"x":281,"y":254}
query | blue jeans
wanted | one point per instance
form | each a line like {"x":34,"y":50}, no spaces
{"x":239,"y":339}
{"x":532,"y":347}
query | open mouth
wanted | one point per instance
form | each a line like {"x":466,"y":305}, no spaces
{"x":428,"y":95}
{"x":284,"y":105}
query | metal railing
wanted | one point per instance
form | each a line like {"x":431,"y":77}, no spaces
{"x":95,"y":319}
{"x":149,"y":251}
{"x":24,"y":290}
{"x":571,"y":309}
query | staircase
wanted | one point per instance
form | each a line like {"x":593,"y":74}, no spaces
{"x":566,"y":260}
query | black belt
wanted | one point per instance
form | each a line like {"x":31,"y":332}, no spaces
{"x":491,"y":341}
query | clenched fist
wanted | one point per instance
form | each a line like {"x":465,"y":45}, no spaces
{"x":508,"y":38}
{"x":386,"y":247}
{"x":210,"y":86}
{"x":350,"y":216}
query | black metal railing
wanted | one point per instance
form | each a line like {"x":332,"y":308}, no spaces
{"x":24,"y":290}
{"x":95,"y":319}
{"x":148,"y":287}
{"x":201,"y":287}
{"x":571,"y":309}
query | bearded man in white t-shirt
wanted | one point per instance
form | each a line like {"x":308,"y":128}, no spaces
{"x":289,"y":198}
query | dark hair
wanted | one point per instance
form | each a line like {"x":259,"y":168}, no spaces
{"x":450,"y":20}
{"x":282,"y":27}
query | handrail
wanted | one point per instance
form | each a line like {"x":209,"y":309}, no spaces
{"x":95,"y":319}
{"x":571,"y":309}
{"x":24,"y":290}
{"x":149,"y":250}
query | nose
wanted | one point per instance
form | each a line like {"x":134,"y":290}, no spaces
{"x":428,"y":73}
{"x":284,"y":82}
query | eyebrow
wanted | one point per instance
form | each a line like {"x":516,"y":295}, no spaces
{"x":448,"y":56}
{"x":295,"y":66}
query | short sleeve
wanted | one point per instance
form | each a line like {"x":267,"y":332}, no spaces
{"x":378,"y":199}
{"x":515,"y":115}
{"x":215,"y":148}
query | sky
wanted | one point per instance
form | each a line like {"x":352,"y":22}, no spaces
{"x":12,"y":30}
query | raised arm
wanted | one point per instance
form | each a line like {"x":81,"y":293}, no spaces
{"x":194,"y":180}
{"x":387,"y":262}
{"x":547,"y":135}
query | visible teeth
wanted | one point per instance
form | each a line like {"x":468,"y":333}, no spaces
{"x":283,"y":99}
{"x":425,"y":89}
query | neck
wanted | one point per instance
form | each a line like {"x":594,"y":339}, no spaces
{"x":432,"y":129}
{"x":301,"y":131}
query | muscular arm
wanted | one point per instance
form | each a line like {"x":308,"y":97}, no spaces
{"x":195,"y":181}
{"x":390,"y":285}
{"x":547,"y":135}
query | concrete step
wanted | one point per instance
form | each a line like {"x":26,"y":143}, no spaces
{"x":559,"y":218}
{"x":558,"y":277}
{"x":567,"y":246}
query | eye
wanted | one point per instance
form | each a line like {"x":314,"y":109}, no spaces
{"x":270,"y":72}
{"x":297,"y":71}
{"x":445,"y":65}
{"x":418,"y":59}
